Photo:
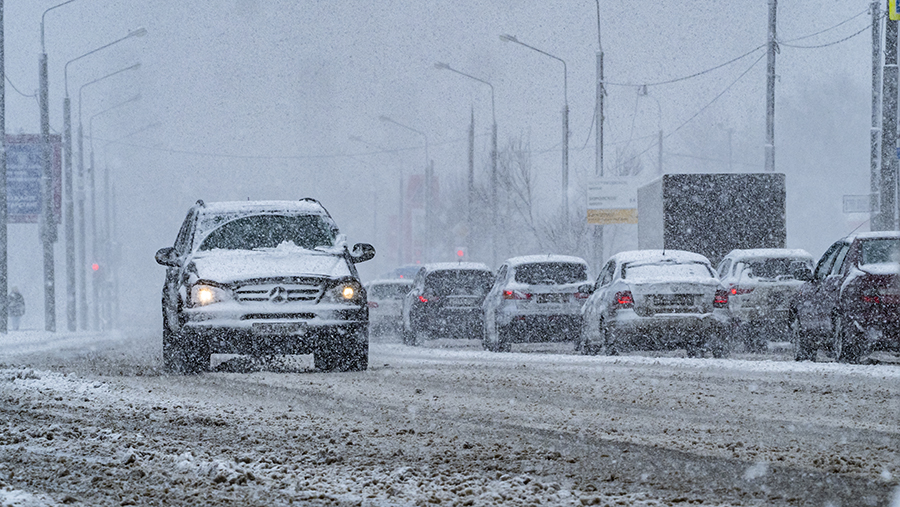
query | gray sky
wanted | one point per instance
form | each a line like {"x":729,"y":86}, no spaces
{"x":257,"y":99}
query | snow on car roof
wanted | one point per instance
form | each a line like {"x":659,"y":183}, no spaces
{"x":390,"y":281}
{"x":875,"y":235}
{"x":531,"y":259}
{"x":305,"y":206}
{"x":444,"y":266}
{"x":768,"y":253}
{"x":658,"y":255}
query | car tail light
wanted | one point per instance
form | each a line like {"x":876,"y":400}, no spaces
{"x":423,"y":299}
{"x":872,"y":299}
{"x":514,"y":294}
{"x":372,"y":304}
{"x":737,"y":291}
{"x":624,"y":299}
{"x":721,"y":299}
{"x":582,"y":295}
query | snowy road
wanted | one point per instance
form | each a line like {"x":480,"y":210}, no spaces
{"x":89,"y":420}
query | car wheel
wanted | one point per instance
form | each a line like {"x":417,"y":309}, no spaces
{"x":718,"y":344}
{"x":589,"y":347}
{"x":612,"y":341}
{"x":496,"y":337}
{"x":848,"y":342}
{"x":804,"y":347}
{"x":753,"y":338}
{"x":693,"y":346}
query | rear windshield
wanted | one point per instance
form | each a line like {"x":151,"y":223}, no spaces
{"x":769,"y":268}
{"x":388,"y":291}
{"x":551,"y":273}
{"x":461,"y":282}
{"x":666,"y":271}
{"x":269,"y":231}
{"x":880,"y":251}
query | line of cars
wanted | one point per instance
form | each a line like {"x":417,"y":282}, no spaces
{"x":846,"y":304}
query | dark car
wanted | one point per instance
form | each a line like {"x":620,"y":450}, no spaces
{"x":445,"y":301}
{"x":850,"y":306}
{"x":263,"y":278}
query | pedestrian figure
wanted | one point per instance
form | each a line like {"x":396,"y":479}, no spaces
{"x":16,"y":307}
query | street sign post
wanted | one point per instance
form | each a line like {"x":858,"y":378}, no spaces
{"x":612,"y":201}
{"x":24,"y":168}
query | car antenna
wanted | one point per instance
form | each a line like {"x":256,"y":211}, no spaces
{"x":857,"y":227}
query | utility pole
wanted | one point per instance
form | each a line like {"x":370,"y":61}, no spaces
{"x":875,"y":131}
{"x":770,"y":90}
{"x":48,"y":226}
{"x":599,"y":119}
{"x":471,"y":183}
{"x":888,"y":181}
{"x":3,"y":211}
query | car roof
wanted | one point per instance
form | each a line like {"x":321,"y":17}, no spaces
{"x":309,"y":206}
{"x":390,"y":281}
{"x":768,"y":253}
{"x":533,"y":259}
{"x":657,"y":256}
{"x":455,"y":266}
{"x":875,"y":235}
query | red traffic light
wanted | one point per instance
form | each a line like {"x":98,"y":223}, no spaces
{"x":95,"y":267}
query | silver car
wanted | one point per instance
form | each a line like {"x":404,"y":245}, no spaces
{"x":656,"y":300}
{"x":386,"y":304}
{"x":534,"y":298}
{"x":761,"y":284}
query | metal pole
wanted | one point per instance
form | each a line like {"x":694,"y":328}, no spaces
{"x":470,"y":197}
{"x":80,"y":237}
{"x":69,"y":215}
{"x":597,"y":243}
{"x":770,"y":90}
{"x":565,"y":164}
{"x":95,"y":248}
{"x":888,"y":129}
{"x":48,"y":226}
{"x":495,"y":206}
{"x":875,"y":131}
{"x":660,"y":143}
{"x":4,"y":303}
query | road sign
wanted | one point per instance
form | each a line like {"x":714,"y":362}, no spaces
{"x":865,"y":203}
{"x":612,"y":201}
{"x":892,"y":10}
{"x":24,"y":168}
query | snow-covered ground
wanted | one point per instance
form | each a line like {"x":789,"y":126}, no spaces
{"x":90,"y":420}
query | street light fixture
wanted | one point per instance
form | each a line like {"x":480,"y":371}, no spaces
{"x":565,"y":118}
{"x":494,"y":211}
{"x":428,"y":202}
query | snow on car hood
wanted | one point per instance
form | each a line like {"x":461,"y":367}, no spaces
{"x":286,"y":260}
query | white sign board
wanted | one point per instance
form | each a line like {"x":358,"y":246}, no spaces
{"x":612,"y":201}
{"x":865,"y":203}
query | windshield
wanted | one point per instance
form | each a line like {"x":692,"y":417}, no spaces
{"x":768,"y":268}
{"x":666,"y":270}
{"x":461,"y":282}
{"x":880,"y":251}
{"x":551,"y":273}
{"x":388,"y":291}
{"x":269,"y":231}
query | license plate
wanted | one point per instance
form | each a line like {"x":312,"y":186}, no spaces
{"x":279,"y":328}
{"x":673,"y":300}
{"x":552,"y":298}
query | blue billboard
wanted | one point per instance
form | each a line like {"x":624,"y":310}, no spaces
{"x":24,"y":167}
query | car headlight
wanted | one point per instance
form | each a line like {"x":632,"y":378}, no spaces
{"x":203,"y":294}
{"x":345,"y":291}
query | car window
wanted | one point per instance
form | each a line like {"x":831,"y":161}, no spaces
{"x":551,"y":273}
{"x":269,"y":231}
{"x":768,"y":269}
{"x":388,"y":291}
{"x":662,"y":271}
{"x":880,"y":251}
{"x":606,"y":277}
{"x":839,"y":259}
{"x":462,"y":281}
{"x":724,"y":267}
{"x":825,"y":263}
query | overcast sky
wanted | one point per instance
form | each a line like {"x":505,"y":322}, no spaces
{"x":259,"y":99}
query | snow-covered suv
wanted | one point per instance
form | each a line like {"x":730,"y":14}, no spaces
{"x":263,"y":278}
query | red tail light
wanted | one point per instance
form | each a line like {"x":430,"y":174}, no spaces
{"x":624,"y":299}
{"x":514,"y":294}
{"x":721,"y":299}
{"x":737,"y":291}
{"x":581,"y":295}
{"x":872,"y":299}
{"x":423,"y":299}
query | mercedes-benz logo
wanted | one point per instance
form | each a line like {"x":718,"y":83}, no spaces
{"x":278,"y":295}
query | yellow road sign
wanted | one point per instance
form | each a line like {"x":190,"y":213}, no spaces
{"x":892,"y":10}
{"x":612,"y":216}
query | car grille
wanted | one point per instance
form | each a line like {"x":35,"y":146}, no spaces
{"x":279,"y":292}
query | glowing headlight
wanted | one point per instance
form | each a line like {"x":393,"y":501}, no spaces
{"x":202,"y":294}
{"x":347,"y":291}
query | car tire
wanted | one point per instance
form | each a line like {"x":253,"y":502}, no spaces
{"x":586,"y":345}
{"x":719,"y":344}
{"x":612,"y":342}
{"x":496,"y":337}
{"x":847,"y":343}
{"x":693,"y":346}
{"x":804,"y":347}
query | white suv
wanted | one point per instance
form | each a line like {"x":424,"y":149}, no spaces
{"x":263,"y":278}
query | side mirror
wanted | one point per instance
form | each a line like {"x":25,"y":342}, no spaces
{"x":167,"y":256}
{"x":361,"y":252}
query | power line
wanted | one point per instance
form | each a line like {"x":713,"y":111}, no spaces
{"x":696,"y":74}
{"x":829,"y":28}
{"x":829,"y":43}
{"x":33,"y":95}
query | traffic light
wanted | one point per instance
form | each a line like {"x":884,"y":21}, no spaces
{"x":95,"y":267}
{"x":461,"y":253}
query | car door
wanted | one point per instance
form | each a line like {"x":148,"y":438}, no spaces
{"x":411,"y":298}
{"x":495,"y":295}
{"x":816,"y":295}
{"x":594,"y":305}
{"x":171,"y":297}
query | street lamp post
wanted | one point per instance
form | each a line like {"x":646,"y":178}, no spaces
{"x":95,"y":247}
{"x":494,"y":210}
{"x":642,"y":92}
{"x":565,"y":120}
{"x":82,"y":292}
{"x":48,"y":227}
{"x":428,"y":201}
{"x":69,"y":199}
